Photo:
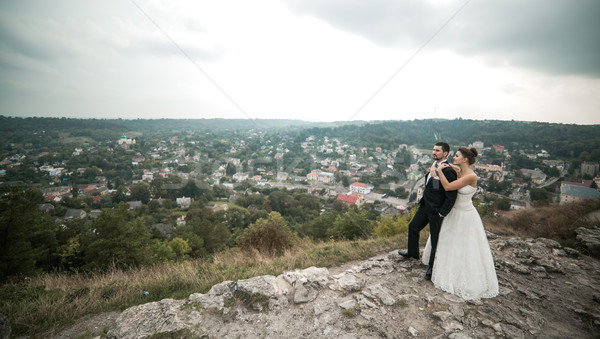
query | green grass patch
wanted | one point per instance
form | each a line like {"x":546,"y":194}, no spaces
{"x":193,"y":306}
{"x":349,"y":313}
{"x":400,"y":303}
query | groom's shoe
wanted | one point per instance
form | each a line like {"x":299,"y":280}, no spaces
{"x":428,"y":273}
{"x":406,"y":255}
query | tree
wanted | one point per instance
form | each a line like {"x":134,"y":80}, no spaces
{"x":539,"y":194}
{"x":320,"y":227}
{"x":351,"y":225}
{"x":230,"y":169}
{"x":277,"y":201}
{"x":401,"y":192}
{"x":234,"y":217}
{"x":117,"y":240}
{"x":503,"y":204}
{"x":180,"y":248}
{"x":27,"y":239}
{"x":140,"y":192}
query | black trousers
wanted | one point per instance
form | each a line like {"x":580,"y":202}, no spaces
{"x":424,"y":216}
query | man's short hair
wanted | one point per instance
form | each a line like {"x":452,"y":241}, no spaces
{"x":445,"y":146}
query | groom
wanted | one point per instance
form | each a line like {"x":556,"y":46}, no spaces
{"x":433,"y":207}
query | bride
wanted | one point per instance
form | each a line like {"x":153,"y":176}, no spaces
{"x":463,"y":261}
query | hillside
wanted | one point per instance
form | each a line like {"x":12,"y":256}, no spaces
{"x":546,"y":290}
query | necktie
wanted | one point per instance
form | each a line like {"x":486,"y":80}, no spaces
{"x":436,"y":180}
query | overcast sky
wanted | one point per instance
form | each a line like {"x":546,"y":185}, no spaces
{"x":318,"y":60}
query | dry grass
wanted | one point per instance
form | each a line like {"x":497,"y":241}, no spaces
{"x":41,"y":306}
{"x":557,"y":222}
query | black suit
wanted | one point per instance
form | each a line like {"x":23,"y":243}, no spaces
{"x":435,"y":201}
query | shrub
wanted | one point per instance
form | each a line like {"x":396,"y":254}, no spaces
{"x":387,"y":227}
{"x":352,"y":225}
{"x":271,"y":235}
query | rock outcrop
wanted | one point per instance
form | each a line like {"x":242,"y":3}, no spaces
{"x":545,"y":291}
{"x":590,"y":239}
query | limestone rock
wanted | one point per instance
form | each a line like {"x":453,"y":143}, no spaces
{"x":387,"y":297}
{"x":382,"y":294}
{"x":590,"y":238}
{"x":149,"y":319}
{"x":265,"y":285}
{"x":413,"y":331}
{"x":348,"y":282}
{"x":305,"y":291}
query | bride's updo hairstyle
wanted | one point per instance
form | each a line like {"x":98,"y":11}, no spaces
{"x":470,"y":154}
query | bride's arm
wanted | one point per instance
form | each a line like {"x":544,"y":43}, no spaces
{"x":457,"y":170}
{"x":461,"y":182}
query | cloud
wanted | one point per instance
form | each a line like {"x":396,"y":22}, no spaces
{"x":557,"y":37}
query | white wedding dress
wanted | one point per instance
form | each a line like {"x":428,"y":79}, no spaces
{"x":463,"y":261}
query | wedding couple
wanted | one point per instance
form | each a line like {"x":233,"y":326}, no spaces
{"x":457,"y":253}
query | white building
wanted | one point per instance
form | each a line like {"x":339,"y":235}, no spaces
{"x":359,"y":187}
{"x":183,"y":202}
{"x":536,"y":175}
{"x":238,"y":177}
{"x":125,"y":140}
{"x":282,"y":176}
{"x":326,"y":177}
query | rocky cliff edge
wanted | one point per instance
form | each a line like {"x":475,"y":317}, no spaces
{"x":546,"y":291}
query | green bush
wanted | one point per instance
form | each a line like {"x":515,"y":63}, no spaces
{"x":271,"y":235}
{"x":387,"y":227}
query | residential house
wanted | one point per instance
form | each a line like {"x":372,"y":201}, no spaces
{"x":488,"y":167}
{"x":536,"y":175}
{"x":73,"y":213}
{"x":164,"y":229}
{"x":56,"y":191}
{"x":498,"y":148}
{"x":478,"y":145}
{"x":359,"y":187}
{"x":136,"y":161}
{"x":134,"y":204}
{"x":183,"y":202}
{"x":312,"y":176}
{"x":352,"y":199}
{"x":326,"y":177}
{"x":45,"y":207}
{"x":282,"y":176}
{"x":240,"y":176}
{"x":95,"y":213}
{"x":558,"y":164}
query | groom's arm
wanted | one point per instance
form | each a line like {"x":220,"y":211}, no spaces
{"x":450,"y":195}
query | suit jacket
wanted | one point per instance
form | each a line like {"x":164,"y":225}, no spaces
{"x":439,"y":199}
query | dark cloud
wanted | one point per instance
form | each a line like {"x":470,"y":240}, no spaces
{"x":46,"y":34}
{"x":554,"y":36}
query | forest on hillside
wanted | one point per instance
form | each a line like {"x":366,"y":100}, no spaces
{"x":558,"y":139}
{"x":563,"y":140}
